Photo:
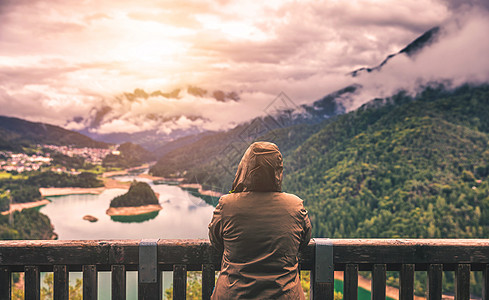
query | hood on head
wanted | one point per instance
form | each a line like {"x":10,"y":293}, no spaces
{"x":260,"y":169}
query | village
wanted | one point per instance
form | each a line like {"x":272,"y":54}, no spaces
{"x":22,"y":162}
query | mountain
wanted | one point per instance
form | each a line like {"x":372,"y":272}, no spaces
{"x":411,"y":168}
{"x":16,"y":133}
{"x":410,"y":50}
{"x":130,"y":155}
{"x":411,"y":150}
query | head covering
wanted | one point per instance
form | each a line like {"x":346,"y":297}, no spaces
{"x":260,"y":169}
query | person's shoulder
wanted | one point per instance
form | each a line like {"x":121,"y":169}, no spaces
{"x":227,"y":198}
{"x":292,"y":198}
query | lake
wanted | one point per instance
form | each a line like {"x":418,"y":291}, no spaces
{"x":184,"y":216}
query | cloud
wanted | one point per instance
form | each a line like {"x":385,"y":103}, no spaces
{"x":459,"y":56}
{"x":76,"y":59}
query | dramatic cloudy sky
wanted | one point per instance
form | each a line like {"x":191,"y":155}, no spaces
{"x":61,"y":62}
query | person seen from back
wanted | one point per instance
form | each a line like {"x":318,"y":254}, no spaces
{"x":260,"y":231}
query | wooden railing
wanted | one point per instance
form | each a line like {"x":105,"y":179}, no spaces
{"x":322,"y":257}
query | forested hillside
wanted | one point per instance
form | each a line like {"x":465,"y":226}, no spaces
{"x":131,"y":155}
{"x":409,"y":168}
{"x":16,"y":133}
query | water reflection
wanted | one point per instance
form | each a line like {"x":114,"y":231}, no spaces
{"x":184,"y":215}
{"x":135,"y":219}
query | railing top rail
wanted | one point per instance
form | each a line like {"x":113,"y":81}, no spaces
{"x":198,"y":251}
{"x":379,"y":242}
{"x":336,"y":242}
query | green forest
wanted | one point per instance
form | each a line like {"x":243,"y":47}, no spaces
{"x":139,"y":194}
{"x":29,"y":224}
{"x":412,"y":168}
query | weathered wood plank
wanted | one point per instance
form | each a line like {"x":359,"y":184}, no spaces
{"x":378,"y":281}
{"x":194,"y":253}
{"x":485,"y":283}
{"x":32,"y":288}
{"x":118,"y":282}
{"x":90,"y":282}
{"x":61,"y":283}
{"x":179,"y":282}
{"x":208,"y":280}
{"x":406,"y":281}
{"x":5,"y":282}
{"x":350,"y":287}
{"x":462,"y":282}
{"x":50,"y":253}
{"x":435,"y":276}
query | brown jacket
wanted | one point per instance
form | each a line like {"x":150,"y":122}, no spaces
{"x":260,"y":231}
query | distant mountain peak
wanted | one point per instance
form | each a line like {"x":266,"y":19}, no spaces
{"x":410,"y":50}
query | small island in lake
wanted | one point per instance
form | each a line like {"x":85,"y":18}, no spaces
{"x":140,"y":199}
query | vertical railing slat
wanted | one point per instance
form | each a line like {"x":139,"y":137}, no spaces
{"x":118,"y":282}
{"x":5,"y":282}
{"x":61,"y":284}
{"x":208,"y":280}
{"x":485,"y":283}
{"x":435,"y":276}
{"x":90,"y":282}
{"x":179,"y":282}
{"x":406,"y":282}
{"x":462,"y":282}
{"x":32,"y":288}
{"x":350,"y":291}
{"x":378,"y":282}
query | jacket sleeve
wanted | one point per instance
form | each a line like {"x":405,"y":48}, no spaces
{"x":215,"y":229}
{"x":306,"y":230}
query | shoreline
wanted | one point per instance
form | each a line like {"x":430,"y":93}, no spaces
{"x":22,"y":206}
{"x":133,"y":210}
{"x":200,"y":190}
{"x":47,"y":192}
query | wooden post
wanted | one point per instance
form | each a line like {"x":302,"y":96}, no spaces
{"x":118,"y":282}
{"x":90,"y":282}
{"x":179,"y":282}
{"x":406,"y":281}
{"x":322,"y":273}
{"x":150,"y":291}
{"x":350,"y":291}
{"x":208,"y":280}
{"x":61,"y":284}
{"x":378,"y":282}
{"x":5,"y":282}
{"x":462,"y":282}
{"x":32,"y":288}
{"x":149,"y":275}
{"x":435,"y":276}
